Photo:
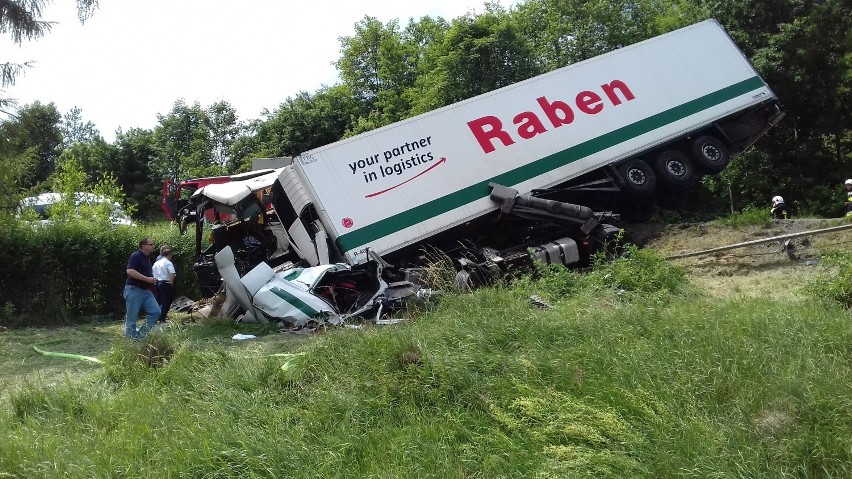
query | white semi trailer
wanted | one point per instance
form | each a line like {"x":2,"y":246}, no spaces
{"x":487,"y":178}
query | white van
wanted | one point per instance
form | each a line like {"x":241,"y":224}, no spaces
{"x":42,"y":203}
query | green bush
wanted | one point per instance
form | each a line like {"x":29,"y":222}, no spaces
{"x":552,"y":281}
{"x":60,"y":271}
{"x":638,"y":270}
{"x":749,"y":216}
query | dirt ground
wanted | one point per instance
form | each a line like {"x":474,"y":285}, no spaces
{"x":765,"y":269}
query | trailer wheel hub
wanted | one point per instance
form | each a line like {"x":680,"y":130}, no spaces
{"x":637,"y":176}
{"x":711,"y":152}
{"x":676,"y":168}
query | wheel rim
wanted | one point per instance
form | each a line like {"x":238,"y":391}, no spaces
{"x":637,"y":176}
{"x":711,"y":152}
{"x":676,"y":168}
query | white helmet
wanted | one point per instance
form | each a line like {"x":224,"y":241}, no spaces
{"x":777,"y":200}
{"x":848,"y":182}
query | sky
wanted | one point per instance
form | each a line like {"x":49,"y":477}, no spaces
{"x":134,"y":58}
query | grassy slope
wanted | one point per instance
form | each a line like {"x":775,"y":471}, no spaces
{"x":608,"y":383}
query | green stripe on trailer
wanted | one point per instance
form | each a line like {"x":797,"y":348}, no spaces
{"x":296,"y":302}
{"x":379,"y":229}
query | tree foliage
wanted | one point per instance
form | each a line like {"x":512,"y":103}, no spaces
{"x":183,"y":143}
{"x":305,"y":121}
{"x":36,"y":127}
{"x":76,"y":130}
{"x":478,"y":54}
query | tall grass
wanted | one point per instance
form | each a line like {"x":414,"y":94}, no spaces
{"x":748,"y":216}
{"x":836,"y":285}
{"x":618,"y":379}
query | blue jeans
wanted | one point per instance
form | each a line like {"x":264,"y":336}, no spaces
{"x":139,"y":299}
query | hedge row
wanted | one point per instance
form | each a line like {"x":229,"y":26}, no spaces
{"x":60,"y":272}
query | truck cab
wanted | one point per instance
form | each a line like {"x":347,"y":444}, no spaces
{"x":176,"y":195}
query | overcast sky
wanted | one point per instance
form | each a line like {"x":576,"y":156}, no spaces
{"x":133,"y":59}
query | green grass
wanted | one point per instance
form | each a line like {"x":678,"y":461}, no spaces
{"x":749,"y":216}
{"x":619,"y":379}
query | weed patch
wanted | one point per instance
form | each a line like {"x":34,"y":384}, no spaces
{"x":748,"y":216}
{"x":640,"y":271}
{"x":836,"y":285}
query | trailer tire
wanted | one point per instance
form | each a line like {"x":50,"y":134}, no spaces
{"x":675,"y":169}
{"x":710,"y":154}
{"x":639,"y":178}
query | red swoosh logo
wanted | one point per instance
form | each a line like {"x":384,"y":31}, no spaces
{"x":427,"y":170}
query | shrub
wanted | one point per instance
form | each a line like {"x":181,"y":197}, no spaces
{"x":748,"y":216}
{"x":54,"y":273}
{"x":638,"y":270}
{"x":552,"y":281}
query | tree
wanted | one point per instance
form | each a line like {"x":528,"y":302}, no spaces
{"x":75,"y":130}
{"x":129,"y":159}
{"x":361,"y":62}
{"x":478,"y":54}
{"x":421,"y":41}
{"x":82,"y":198}
{"x":305,"y":122}
{"x":224,"y":130}
{"x":21,"y":19}
{"x":804,"y":52}
{"x":35,"y":127}
{"x":562,"y":32}
{"x":379,"y":65}
{"x":15,"y":169}
{"x":184,"y":144}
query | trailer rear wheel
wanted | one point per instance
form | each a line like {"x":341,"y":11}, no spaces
{"x":675,"y":169}
{"x":710,"y":154}
{"x":639,"y":177}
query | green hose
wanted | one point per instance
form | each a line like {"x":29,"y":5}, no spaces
{"x":67,"y":356}
{"x":289,"y":362}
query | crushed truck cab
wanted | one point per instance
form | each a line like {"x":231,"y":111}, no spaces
{"x":331,"y":293}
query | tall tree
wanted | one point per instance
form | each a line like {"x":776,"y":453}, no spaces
{"x":376,"y":66}
{"x":360,"y":64}
{"x":184,"y":143}
{"x":224,"y":130}
{"x":422,"y":40}
{"x":76,"y":130}
{"x":563,"y":32}
{"x":15,"y":170}
{"x":305,"y":122}
{"x":803,"y":49}
{"x":129,"y":159}
{"x":478,"y":54}
{"x":36,"y":127}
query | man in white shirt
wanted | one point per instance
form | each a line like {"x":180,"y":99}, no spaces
{"x":164,"y":273}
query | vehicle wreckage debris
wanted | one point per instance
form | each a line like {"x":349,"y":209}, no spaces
{"x":240,"y":336}
{"x":538,"y":302}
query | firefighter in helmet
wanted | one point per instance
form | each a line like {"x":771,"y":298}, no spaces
{"x":779,"y":209}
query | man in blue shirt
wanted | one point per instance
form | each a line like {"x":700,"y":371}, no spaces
{"x":138,"y":293}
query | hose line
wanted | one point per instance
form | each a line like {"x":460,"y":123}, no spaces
{"x":67,"y":355}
